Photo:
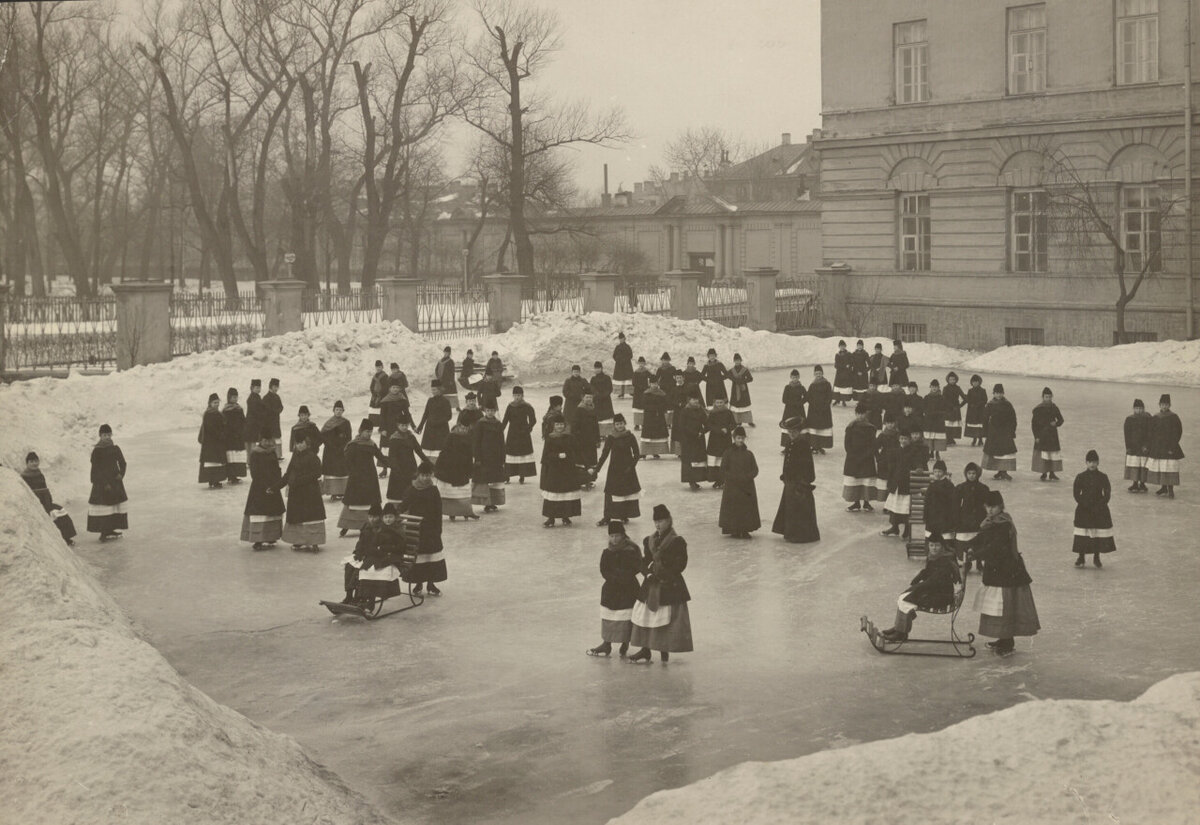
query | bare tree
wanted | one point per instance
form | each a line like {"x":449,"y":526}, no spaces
{"x":515,"y":46}
{"x":699,"y":152}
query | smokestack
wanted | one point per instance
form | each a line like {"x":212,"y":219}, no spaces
{"x":787,"y":138}
{"x":605,"y":198}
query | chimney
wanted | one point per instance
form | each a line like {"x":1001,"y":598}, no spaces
{"x":787,"y":138}
{"x":637,"y":187}
{"x":605,"y":198}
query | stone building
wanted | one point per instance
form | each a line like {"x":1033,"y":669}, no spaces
{"x":954,"y":137}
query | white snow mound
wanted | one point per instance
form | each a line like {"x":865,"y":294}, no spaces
{"x":96,"y":727}
{"x":1052,"y":761}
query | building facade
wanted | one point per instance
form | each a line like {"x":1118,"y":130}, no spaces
{"x":988,"y":166}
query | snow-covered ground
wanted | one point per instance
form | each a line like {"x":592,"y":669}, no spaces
{"x":481,"y":707}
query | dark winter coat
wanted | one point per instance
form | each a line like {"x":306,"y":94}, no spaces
{"x":495,"y":368}
{"x":1046,"y":421}
{"x":893,"y":403}
{"x":941,"y":506}
{"x":796,"y":518}
{"x":378,"y":388}
{"x":1137,"y":433}
{"x":37,"y":482}
{"x":859,"y":442}
{"x":739,"y":392}
{"x":272,"y":408}
{"x":586,"y":434}
{"x":860,"y":367}
{"x":254,"y":418}
{"x":933,"y":413}
{"x":435,"y":422}
{"x":953,"y":399}
{"x":212,"y":438}
{"x":820,"y":401}
{"x":558,"y":464}
{"x":622,"y":450}
{"x":519,"y":419}
{"x":794,"y":396}
{"x":877,"y":369}
{"x":933,"y":587}
{"x":996,"y":547}
{"x":622,"y":362}
{"x":654,"y":419}
{"x":692,"y":379}
{"x":739,"y":498}
{"x":898,"y":364}
{"x":907,"y":459}
{"x":235,"y":426}
{"x":306,"y":430}
{"x":693,"y":424}
{"x":454,"y":463}
{"x":303,"y":480}
{"x":976,"y":405}
{"x":1092,"y":492}
{"x":108,"y":474}
{"x":714,"y":375}
{"x":443,"y":372}
{"x":641,"y":380}
{"x":553,"y":414}
{"x":426,"y":503}
{"x":264,"y":497}
{"x":917,"y":403}
{"x":602,"y":387}
{"x":403,"y":455}
{"x":1164,"y":436}
{"x":664,"y":558}
{"x":362,"y":487}
{"x":620,"y":567}
{"x":843,"y":369}
{"x":874,"y":401}
{"x":335,"y":435}
{"x":467,"y":417}
{"x":573,"y":390}
{"x":887,"y":448}
{"x":368,"y":546}
{"x":969,"y":498}
{"x":397,"y":379}
{"x":720,"y":431}
{"x":392,"y":407}
{"x":1000,"y":428}
{"x":487,"y":451}
{"x":466,"y":371}
{"x":489,"y":391}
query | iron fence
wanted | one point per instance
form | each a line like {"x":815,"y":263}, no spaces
{"x":643,"y":296}
{"x":60,"y":332}
{"x":446,"y":312}
{"x":558,"y":294}
{"x":322,"y":307}
{"x":723,"y":303}
{"x":797,"y":304}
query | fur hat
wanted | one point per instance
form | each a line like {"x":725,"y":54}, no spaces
{"x":711,"y":351}
{"x":860,"y":409}
{"x":389,"y":509}
{"x":255,"y":382}
{"x":620,"y":335}
{"x":518,"y":390}
{"x":574,"y":367}
{"x":598,"y":365}
{"x":375,"y":510}
{"x":365,"y":425}
{"x":378,"y":363}
{"x":976,"y":379}
{"x":1165,"y":398}
{"x":471,"y":396}
{"x":666,"y":356}
{"x":739,"y":430}
{"x":1047,"y":391}
{"x":994,"y":499}
{"x":31,"y":456}
{"x":105,"y":429}
{"x":858,"y":343}
{"x":737,"y":356}
{"x":951,"y":375}
{"x":556,"y":400}
{"x":425,"y":469}
{"x":338,"y":405}
{"x":1138,"y":404}
{"x":641,"y":359}
{"x":841,"y":344}
{"x":879,"y":347}
{"x":616,"y":527}
{"x":971,"y":467}
{"x":489,"y":403}
{"x":912,"y":385}
{"x":274,"y":382}
{"x":691,"y":359}
{"x":394,"y":366}
{"x":618,"y":418}
{"x":939,"y":465}
{"x":795,"y":373}
{"x":231,"y":392}
{"x":661,"y":512}
{"x":934,"y":383}
{"x":303,"y":410}
{"x":998,"y":389}
{"x":1092,"y":455}
{"x":446,"y":350}
{"x":213,"y":397}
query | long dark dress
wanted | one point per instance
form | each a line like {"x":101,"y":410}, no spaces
{"x":519,"y":458}
{"x":739,"y":394}
{"x":560,"y":479}
{"x":573,"y":390}
{"x":941,"y":508}
{"x":660,"y":615}
{"x":665,"y":378}
{"x":1005,"y":602}
{"x":272,"y":408}
{"x":235,"y":444}
{"x":212,"y":447}
{"x":602,"y":388}
{"x":335,"y":435}
{"x":305,"y":521}
{"x":37,"y":482}
{"x":693,"y":460}
{"x":819,"y":424}
{"x":1000,"y":428}
{"x":858,"y":470}
{"x":106,"y":503}
{"x":640,"y":381}
{"x":403,"y":455}
{"x":586,"y":435}
{"x":877,"y":367}
{"x":622,"y":366}
{"x":887,"y":447}
{"x":443,"y":373}
{"x":720,"y":438}
{"x":1165,"y":453}
{"x":1093,"y":521}
{"x":1137,"y":445}
{"x":254,"y":419}
{"x":1045,"y":422}
{"x":423,"y":500}
{"x":362,"y":489}
{"x":860,"y":368}
{"x":898,"y":364}
{"x":307,"y":430}
{"x":843,"y":375}
{"x":620,"y":567}
{"x":714,"y":375}
{"x":622,"y":489}
{"x":796,"y":518}
{"x":953,"y":399}
{"x":976,"y":403}
{"x":794,"y":396}
{"x":452,"y":472}
{"x":739,"y":498}
{"x":435,"y":425}
{"x":655,"y":437}
{"x":969,"y":498}
{"x":487,"y":454}
{"x":933,"y":421}
{"x":262,"y":518}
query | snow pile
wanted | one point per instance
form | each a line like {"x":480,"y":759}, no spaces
{"x":1045,"y":761}
{"x":98,"y":728}
{"x":1160,"y":362}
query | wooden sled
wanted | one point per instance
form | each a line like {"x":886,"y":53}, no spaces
{"x":370,"y":606}
{"x":954,"y":647}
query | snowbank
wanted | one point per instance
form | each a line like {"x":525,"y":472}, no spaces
{"x":96,"y":727}
{"x":1044,"y":761}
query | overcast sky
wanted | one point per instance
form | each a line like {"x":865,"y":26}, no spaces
{"x":751,"y":67}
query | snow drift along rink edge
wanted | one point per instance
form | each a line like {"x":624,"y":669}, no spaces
{"x":1047,"y":761}
{"x":58,"y":418}
{"x":96,"y":727}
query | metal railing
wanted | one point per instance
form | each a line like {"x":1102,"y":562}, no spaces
{"x":60,"y":332}
{"x":723,"y":303}
{"x":444,"y":312}
{"x":321,"y":307}
{"x":797,"y":304}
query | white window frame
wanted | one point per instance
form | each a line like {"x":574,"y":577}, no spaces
{"x":911,"y":64}
{"x":913,"y":231}
{"x":1028,"y":230}
{"x":1027,"y":49}
{"x":1136,"y":41}
{"x":1141,"y":226}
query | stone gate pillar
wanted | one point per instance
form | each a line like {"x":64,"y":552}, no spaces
{"x":400,"y":300}
{"x":282,"y":304}
{"x":143,"y":323}
{"x":685,"y":293}
{"x":599,"y":291}
{"x":504,"y":300}
{"x":760,"y":298}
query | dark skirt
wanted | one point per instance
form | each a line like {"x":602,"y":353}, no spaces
{"x":211,"y":472}
{"x":561,"y":507}
{"x":796,"y":519}
{"x":429,"y":567}
{"x":739,"y":508}
{"x":1090,"y":540}
{"x":106,"y":518}
{"x":1018,"y":616}
{"x":624,"y":507}
{"x":261,"y":529}
{"x":668,"y":629}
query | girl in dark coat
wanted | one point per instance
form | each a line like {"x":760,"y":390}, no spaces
{"x":887,"y":447}
{"x":487,"y":457}
{"x":819,"y":424}
{"x":559,"y":479}
{"x":909,"y":457}
{"x":519,"y":421}
{"x":933,"y":420}
{"x":424,"y":501}
{"x":898,"y":364}
{"x":794,"y":396}
{"x":212,"y":445}
{"x":877,"y":366}
{"x":1093,"y":521}
{"x":622,"y":488}
{"x":37,"y":482}
{"x":660,"y":615}
{"x":586,"y":435}
{"x":404,"y":455}
{"x":1000,"y":428}
{"x":262,"y":518}
{"x":931,"y":589}
{"x":1137,"y":446}
{"x":106,"y":503}
{"x":664,"y":376}
{"x":443,"y":376}
{"x":335,"y":435}
{"x":953,"y":399}
{"x":305,"y":522}
{"x":362,"y":489}
{"x":739,"y":499}
{"x":1005,"y":602}
{"x":466,"y":372}
{"x":941,"y":504}
{"x":714,"y":375}
{"x":860,"y":363}
{"x":620,"y":564}
{"x":622,"y":366}
{"x":1165,"y":452}
{"x":843,"y":375}
{"x":976,"y":402}
{"x":969,"y":498}
{"x":602,"y":389}
{"x":641,"y":382}
{"x":272,"y":409}
{"x":655,"y":436}
{"x":254,"y":415}
{"x":739,"y":391}
{"x":796,"y":518}
{"x":304,"y":429}
{"x":434,"y":426}
{"x":235,"y":433}
{"x":858,"y":470}
{"x":1047,"y":457}
{"x":452,"y":471}
{"x":573,"y":390}
{"x":693,"y":460}
{"x":720,"y":436}
{"x":692,"y":379}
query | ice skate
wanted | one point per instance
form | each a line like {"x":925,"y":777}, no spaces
{"x":641,"y":657}
{"x":1079,"y":562}
{"x":867,"y":508}
{"x":853,"y":508}
{"x":547,"y":523}
{"x":433,"y":590}
{"x":1096,"y":560}
{"x":604,"y":650}
{"x":891,"y":531}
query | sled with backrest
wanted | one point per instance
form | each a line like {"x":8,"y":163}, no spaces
{"x":377,"y":585}
{"x":955,"y":646}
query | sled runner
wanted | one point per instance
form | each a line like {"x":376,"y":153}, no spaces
{"x":918,"y":484}
{"x":377,"y":585}
{"x":954,"y":647}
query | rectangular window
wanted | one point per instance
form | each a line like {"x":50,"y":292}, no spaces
{"x":914,"y":233}
{"x":1027,"y":49}
{"x":1141,"y":230}
{"x":1137,"y":41}
{"x":1024,"y":336}
{"x":1029,"y":232}
{"x":912,"y":62}
{"x":908,"y":332}
{"x":1133,"y":337}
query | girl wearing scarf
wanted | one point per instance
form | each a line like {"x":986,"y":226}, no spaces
{"x":212,"y":444}
{"x":1005,"y":602}
{"x":335,"y":435}
{"x":106,"y":504}
{"x":660,"y":615}
{"x":235,"y":444}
